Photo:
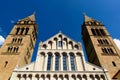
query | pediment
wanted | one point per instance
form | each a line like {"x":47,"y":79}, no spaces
{"x":60,"y":41}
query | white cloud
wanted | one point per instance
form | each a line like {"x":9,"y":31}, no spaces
{"x":2,"y":39}
{"x":117,"y":41}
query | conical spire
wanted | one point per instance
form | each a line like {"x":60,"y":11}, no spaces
{"x":31,"y":17}
{"x":86,"y":18}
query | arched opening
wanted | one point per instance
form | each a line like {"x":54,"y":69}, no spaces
{"x":84,"y":77}
{"x":19,"y":76}
{"x":91,"y":77}
{"x":37,"y":76}
{"x":102,"y":77}
{"x":6,"y":63}
{"x":55,"y":77}
{"x":30,"y":76}
{"x":44,"y":46}
{"x":48,"y":77}
{"x":26,"y":31}
{"x":66,"y":77}
{"x":79,"y":77}
{"x":93,"y":32}
{"x":56,"y":40}
{"x":64,"y":61}
{"x":76,"y":47}
{"x":57,"y":61}
{"x":65,"y":39}
{"x":97,"y":77}
{"x":73,"y":77}
{"x":17,"y":30}
{"x":22,"y":30}
{"x":50,"y":42}
{"x":49,"y":61}
{"x":71,"y":43}
{"x":25,"y":76}
{"x":60,"y":77}
{"x":42,"y":77}
{"x":72,"y":61}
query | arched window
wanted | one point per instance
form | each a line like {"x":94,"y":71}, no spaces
{"x":18,"y":29}
{"x":44,"y":46}
{"x":102,"y":32}
{"x":48,"y":77}
{"x":66,"y":77}
{"x":19,"y":76}
{"x":77,"y":47}
{"x":26,"y":31}
{"x":98,"y":32}
{"x":102,"y":77}
{"x":42,"y":77}
{"x":91,"y":77}
{"x":55,"y":77}
{"x":50,"y":42}
{"x":97,"y":77}
{"x":84,"y":77}
{"x":72,"y":61}
{"x":22,"y":30}
{"x":37,"y":76}
{"x":6,"y":63}
{"x":57,"y":57}
{"x":64,"y":61}
{"x":71,"y":43}
{"x":61,"y":77}
{"x":79,"y":77}
{"x":49,"y":61}
{"x":93,"y":32}
{"x":24,"y":76}
{"x":30,"y":76}
{"x":10,"y":49}
{"x":73,"y":77}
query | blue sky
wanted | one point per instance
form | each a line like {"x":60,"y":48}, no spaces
{"x":53,"y":16}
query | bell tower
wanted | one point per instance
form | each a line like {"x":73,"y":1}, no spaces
{"x":18,"y":47}
{"x":100,"y":47}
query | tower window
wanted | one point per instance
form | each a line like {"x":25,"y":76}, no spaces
{"x":114,"y":64}
{"x":26,"y":32}
{"x":93,"y":32}
{"x":102,"y":31}
{"x":14,"y":40}
{"x":18,"y":29}
{"x":16,"y":49}
{"x":22,"y":30}
{"x":98,"y":32}
{"x":10,"y":49}
{"x":19,"y":40}
{"x":6,"y":62}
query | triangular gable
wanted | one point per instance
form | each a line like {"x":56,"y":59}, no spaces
{"x":60,"y":41}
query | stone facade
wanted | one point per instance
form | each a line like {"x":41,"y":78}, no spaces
{"x":100,"y":47}
{"x":60,"y":58}
{"x":18,"y":47}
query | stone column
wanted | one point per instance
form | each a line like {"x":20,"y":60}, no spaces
{"x":45,"y":63}
{"x":53,"y":62}
{"x":61,"y":62}
{"x":69,"y":62}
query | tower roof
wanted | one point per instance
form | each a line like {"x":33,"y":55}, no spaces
{"x":87,"y":18}
{"x":29,"y":18}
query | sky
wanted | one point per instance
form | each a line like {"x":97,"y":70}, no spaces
{"x":53,"y":16}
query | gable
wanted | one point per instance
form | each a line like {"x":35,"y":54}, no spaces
{"x":60,"y":41}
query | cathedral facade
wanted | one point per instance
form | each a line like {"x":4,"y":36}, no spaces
{"x":60,"y":58}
